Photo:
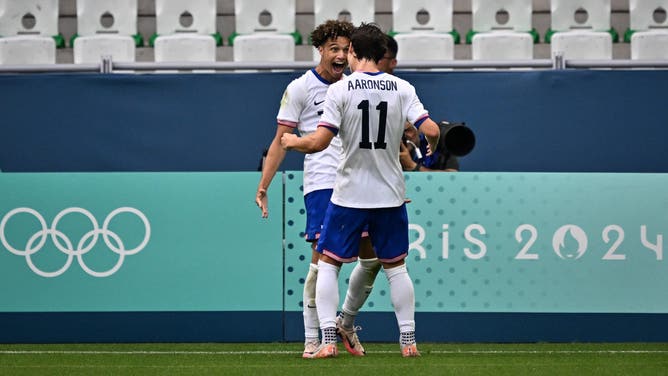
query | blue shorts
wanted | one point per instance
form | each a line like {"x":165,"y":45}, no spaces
{"x":343,"y":227}
{"x":316,"y":203}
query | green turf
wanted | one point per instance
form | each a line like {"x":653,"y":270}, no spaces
{"x":382,"y":359}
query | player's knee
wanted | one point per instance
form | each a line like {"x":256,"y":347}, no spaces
{"x":371,"y":265}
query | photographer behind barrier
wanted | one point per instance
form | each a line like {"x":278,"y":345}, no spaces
{"x":457,"y":140}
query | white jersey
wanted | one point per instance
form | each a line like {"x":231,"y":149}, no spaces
{"x":301,"y":107}
{"x":370,"y":111}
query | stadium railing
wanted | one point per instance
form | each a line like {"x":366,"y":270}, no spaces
{"x":106,"y":65}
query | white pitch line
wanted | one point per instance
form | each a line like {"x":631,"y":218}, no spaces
{"x":72,"y":352}
{"x":270,"y":352}
{"x":549,"y":352}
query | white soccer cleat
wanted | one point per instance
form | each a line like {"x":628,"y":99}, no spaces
{"x":349,"y":338}
{"x":326,"y":350}
{"x":309,"y":348}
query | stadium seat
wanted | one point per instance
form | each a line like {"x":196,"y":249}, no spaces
{"x":649,"y":45}
{"x":21,"y":50}
{"x":106,"y":28}
{"x":648,"y":29}
{"x":92,"y":48}
{"x":423,"y":29}
{"x":264,"y":30}
{"x":29,"y":30}
{"x":580,"y":29}
{"x":185,"y":31}
{"x":581,"y":44}
{"x":355,"y":11}
{"x":502,"y":30}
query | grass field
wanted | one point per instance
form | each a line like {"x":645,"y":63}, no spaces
{"x":382,"y":359}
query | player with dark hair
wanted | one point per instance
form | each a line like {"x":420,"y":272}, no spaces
{"x":389,"y":60}
{"x":301,"y":107}
{"x":413,"y":156}
{"x":368,"y":110}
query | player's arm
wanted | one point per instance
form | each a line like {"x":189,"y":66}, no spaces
{"x":272,"y":162}
{"x":430,"y":130}
{"x":312,"y":143}
{"x":420,"y":118}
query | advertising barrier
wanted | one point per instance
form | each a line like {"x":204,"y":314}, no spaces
{"x":186,"y":257}
{"x":138,"y":242}
{"x":516,"y":242}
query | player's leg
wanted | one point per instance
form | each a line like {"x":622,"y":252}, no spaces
{"x":388,"y":228}
{"x":316,"y":203}
{"x":339,"y":242}
{"x":327,"y":301}
{"x":361,"y":281}
{"x":311,"y":323}
{"x":402,"y":294}
{"x":360,"y":285}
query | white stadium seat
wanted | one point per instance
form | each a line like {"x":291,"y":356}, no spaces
{"x":27,"y":50}
{"x":92,"y":48}
{"x":184,"y":48}
{"x":581,"y":29}
{"x":355,"y":11}
{"x":502,"y":45}
{"x":28,"y":28}
{"x":423,"y":29}
{"x":105,"y":28}
{"x":185,"y":31}
{"x":648,"y":27}
{"x":649,"y":45}
{"x":502,"y":30}
{"x":264,"y":30}
{"x":582,"y":44}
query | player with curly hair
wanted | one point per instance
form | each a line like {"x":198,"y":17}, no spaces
{"x":301,"y":107}
{"x":368,"y":110}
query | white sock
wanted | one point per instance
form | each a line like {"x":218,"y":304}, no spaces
{"x":360,"y":285}
{"x":327,"y":294}
{"x":311,"y":324}
{"x":403,"y":297}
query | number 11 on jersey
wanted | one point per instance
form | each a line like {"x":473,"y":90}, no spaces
{"x":382,"y":120}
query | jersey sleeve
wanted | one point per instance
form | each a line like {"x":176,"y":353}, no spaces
{"x":415,"y":112}
{"x":292,"y":104}
{"x":331,"y":116}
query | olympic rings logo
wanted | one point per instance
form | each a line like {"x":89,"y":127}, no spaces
{"x":65,"y":245}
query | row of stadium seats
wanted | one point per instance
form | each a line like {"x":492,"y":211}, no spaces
{"x":265,"y":29}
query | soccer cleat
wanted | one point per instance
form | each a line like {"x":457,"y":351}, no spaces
{"x":408,"y":351}
{"x":349,"y":338}
{"x":310,"y":347}
{"x":325,"y":350}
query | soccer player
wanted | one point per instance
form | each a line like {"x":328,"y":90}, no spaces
{"x":389,"y":60}
{"x":413,"y":155}
{"x":368,"y":110}
{"x":301,"y":107}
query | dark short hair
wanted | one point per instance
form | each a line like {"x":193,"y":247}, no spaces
{"x":331,"y":29}
{"x":392,"y":46}
{"x":369,"y":42}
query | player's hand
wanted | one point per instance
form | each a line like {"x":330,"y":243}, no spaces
{"x":261,"y":201}
{"x":429,"y":151}
{"x":288,"y":140}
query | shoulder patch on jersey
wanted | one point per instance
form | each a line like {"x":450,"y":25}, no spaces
{"x":284,"y":99}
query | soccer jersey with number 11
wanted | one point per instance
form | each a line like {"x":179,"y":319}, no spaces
{"x":370,"y":110}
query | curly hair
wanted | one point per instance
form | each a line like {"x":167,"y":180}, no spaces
{"x":331,"y":29}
